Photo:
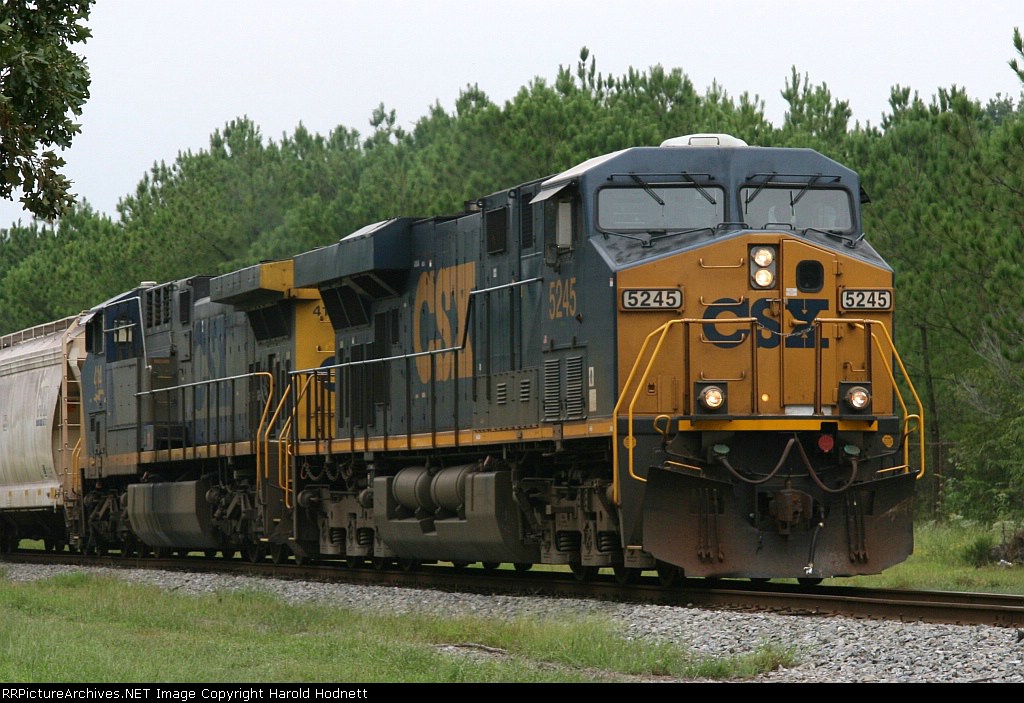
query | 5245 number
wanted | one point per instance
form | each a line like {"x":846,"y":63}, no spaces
{"x":652,"y":299}
{"x":562,"y":298}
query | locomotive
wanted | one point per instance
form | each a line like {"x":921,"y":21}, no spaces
{"x":676,"y":359}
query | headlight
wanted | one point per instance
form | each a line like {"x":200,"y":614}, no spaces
{"x":762,"y":266}
{"x":858,"y":397}
{"x":712,"y":397}
{"x":764,"y":278}
{"x":763,"y":256}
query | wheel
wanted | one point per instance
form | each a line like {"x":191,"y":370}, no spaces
{"x":583,"y":573}
{"x":523,"y":566}
{"x":490,"y":565}
{"x":254,"y":552}
{"x":209,"y":553}
{"x":626,"y":575}
{"x":380,"y":563}
{"x":409,"y":564}
{"x":759,"y":579}
{"x":161,"y":552}
{"x":459,"y":565}
{"x":279,"y":553}
{"x":228,"y":553}
{"x":355,"y":562}
{"x":668,"y":574}
{"x":92,"y":549}
{"x":129,"y":548}
{"x":808,"y":581}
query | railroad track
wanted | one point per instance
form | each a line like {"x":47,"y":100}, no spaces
{"x":937,"y":607}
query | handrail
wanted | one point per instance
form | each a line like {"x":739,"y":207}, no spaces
{"x":73,"y":469}
{"x":913,"y":422}
{"x":630,"y":440}
{"x":264,"y":437}
{"x":215,"y":382}
{"x":457,"y":347}
{"x":917,"y":418}
{"x":283,"y":442}
{"x":38,"y":331}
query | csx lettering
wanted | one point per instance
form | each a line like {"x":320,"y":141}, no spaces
{"x":562,"y":298}
{"x":442,"y":304}
{"x":802,"y":310}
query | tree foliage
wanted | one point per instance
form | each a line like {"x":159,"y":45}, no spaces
{"x":43,"y":84}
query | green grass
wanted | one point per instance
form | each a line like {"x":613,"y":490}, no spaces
{"x":954,"y":556}
{"x":84,"y":628}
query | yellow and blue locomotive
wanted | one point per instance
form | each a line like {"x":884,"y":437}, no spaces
{"x":675,"y":358}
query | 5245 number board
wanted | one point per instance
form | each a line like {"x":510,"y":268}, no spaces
{"x":651,"y":299}
{"x":866,"y":299}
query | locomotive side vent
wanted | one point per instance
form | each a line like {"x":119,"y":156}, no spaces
{"x":552,"y":389}
{"x":501,"y":393}
{"x":525,"y":390}
{"x":574,"y":388}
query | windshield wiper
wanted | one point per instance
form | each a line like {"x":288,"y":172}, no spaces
{"x":750,"y":198}
{"x":644,"y":239}
{"x":847,"y":240}
{"x":793,"y":201}
{"x":700,"y":188}
{"x":656,"y":235}
{"x":647,"y":189}
{"x":647,"y":239}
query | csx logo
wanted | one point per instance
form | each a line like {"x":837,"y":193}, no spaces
{"x":769,"y":332}
{"x":439,"y":320}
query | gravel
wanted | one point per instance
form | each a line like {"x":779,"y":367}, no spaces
{"x":829,"y":649}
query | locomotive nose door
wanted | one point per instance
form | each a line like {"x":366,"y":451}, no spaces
{"x":808,"y":279}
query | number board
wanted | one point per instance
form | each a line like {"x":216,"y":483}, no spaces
{"x":652,"y":299}
{"x":866,"y":299}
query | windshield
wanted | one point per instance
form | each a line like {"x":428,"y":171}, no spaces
{"x":797,"y":206}
{"x":659,"y":208}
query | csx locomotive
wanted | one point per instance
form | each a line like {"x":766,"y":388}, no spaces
{"x":676,"y":358}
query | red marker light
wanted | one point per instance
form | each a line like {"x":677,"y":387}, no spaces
{"x":826,"y":442}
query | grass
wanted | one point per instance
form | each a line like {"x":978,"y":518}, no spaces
{"x":953,"y":556}
{"x":84,"y":628}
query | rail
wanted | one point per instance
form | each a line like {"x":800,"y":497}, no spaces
{"x":360,"y":393}
{"x":44,"y":330}
{"x":173,"y":432}
{"x":284,"y":442}
{"x":912,"y":422}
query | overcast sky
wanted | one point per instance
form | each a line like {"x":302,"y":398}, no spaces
{"x":167,"y":73}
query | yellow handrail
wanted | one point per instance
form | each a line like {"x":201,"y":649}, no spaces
{"x":76,"y":476}
{"x":630,"y":440}
{"x":917,"y":420}
{"x":283,"y":448}
{"x":263,"y":419}
{"x":618,"y":404}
